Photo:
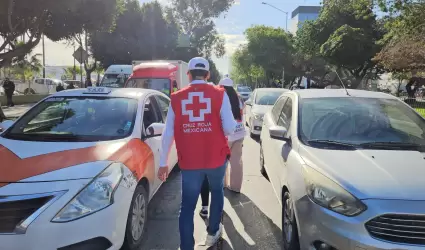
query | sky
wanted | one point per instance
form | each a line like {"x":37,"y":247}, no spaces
{"x":231,"y":25}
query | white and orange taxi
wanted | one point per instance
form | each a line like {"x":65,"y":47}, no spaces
{"x":79,"y":168}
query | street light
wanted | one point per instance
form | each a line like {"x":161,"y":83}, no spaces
{"x":286,"y":23}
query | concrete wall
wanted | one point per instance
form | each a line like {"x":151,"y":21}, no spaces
{"x":23,"y":99}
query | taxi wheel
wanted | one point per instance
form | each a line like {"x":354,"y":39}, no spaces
{"x":289,"y":224}
{"x":136,"y":220}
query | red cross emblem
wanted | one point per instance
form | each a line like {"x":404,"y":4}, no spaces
{"x":196,"y":106}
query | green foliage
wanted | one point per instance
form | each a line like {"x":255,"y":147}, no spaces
{"x":404,"y":46}
{"x":262,"y":60}
{"x":27,"y":68}
{"x":345,"y":36}
{"x":71,"y":73}
{"x":57,"y":19}
{"x":140,"y":33}
{"x":196,"y":19}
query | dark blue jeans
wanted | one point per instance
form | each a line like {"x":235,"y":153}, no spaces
{"x":191,"y":187}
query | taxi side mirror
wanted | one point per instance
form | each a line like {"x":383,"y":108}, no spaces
{"x":154,"y":130}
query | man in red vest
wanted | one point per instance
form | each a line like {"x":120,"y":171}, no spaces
{"x":198,"y":119}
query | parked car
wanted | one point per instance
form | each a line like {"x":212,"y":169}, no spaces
{"x":244,"y":91}
{"x":348,"y":169}
{"x":79,"y":168}
{"x":77,"y":84}
{"x":260,"y":101}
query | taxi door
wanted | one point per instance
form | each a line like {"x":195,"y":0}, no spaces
{"x":151,"y":115}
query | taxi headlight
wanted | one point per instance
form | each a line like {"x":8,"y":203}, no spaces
{"x":97,"y":195}
{"x":326,"y":193}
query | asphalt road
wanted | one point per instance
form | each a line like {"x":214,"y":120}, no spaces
{"x":251,"y":220}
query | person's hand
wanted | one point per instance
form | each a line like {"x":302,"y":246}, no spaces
{"x":163,"y":173}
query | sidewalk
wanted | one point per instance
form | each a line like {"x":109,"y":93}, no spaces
{"x":17,"y":110}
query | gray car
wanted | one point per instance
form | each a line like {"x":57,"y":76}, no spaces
{"x":348,"y":169}
{"x":260,"y":101}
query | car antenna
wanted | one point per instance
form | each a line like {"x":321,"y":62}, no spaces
{"x":342,"y":83}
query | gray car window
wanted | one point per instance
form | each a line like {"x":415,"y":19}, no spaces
{"x":286,"y":115}
{"x":277,"y":109}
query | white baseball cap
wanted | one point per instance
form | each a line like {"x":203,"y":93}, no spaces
{"x":226,"y":82}
{"x":199,"y":63}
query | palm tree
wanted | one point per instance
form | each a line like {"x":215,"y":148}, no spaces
{"x":70,"y":73}
{"x":99,"y":71}
{"x":27,"y":68}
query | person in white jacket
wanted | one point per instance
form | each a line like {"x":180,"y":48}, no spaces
{"x":234,"y":175}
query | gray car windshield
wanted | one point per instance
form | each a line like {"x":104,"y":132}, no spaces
{"x":360,"y":121}
{"x":267,"y":97}
{"x":76,"y":119}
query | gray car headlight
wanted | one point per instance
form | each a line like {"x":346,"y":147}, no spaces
{"x":326,"y":193}
{"x":97,"y":195}
{"x":258,"y":116}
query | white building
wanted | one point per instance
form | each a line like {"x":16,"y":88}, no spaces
{"x":302,"y":14}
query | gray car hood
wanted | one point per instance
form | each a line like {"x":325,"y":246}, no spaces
{"x":381,"y":174}
{"x":261,"y":109}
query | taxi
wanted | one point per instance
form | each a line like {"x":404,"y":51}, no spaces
{"x":79,"y":168}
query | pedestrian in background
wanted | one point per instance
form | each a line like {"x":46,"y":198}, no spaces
{"x":199,"y":118}
{"x":60,"y":87}
{"x":70,"y":86}
{"x":9,"y":89}
{"x":234,"y":174}
{"x":2,"y":115}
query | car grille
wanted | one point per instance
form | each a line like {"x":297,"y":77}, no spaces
{"x":13,"y":213}
{"x":398,"y":228}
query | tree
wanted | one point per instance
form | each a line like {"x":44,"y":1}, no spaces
{"x":196,"y":19}
{"x":26,"y":68}
{"x":403,"y":46}
{"x":345,"y":35}
{"x":214,"y":73}
{"x":71,"y":73}
{"x":57,"y":20}
{"x":244,"y":70}
{"x":140,"y":33}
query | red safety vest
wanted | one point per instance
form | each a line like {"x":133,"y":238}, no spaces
{"x":198,"y":131}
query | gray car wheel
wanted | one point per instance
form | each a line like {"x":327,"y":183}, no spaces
{"x":289,"y":224}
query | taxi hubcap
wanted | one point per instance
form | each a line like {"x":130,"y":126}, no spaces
{"x":138,"y":218}
{"x":288,"y":216}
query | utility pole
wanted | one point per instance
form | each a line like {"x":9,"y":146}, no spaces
{"x":74,"y":75}
{"x":44,"y":57}
{"x":286,"y":13}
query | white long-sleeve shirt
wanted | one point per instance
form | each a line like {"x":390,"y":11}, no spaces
{"x":227,"y":120}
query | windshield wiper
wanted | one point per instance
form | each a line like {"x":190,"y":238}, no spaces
{"x":48,"y":137}
{"x":392,"y":145}
{"x":332,"y":143}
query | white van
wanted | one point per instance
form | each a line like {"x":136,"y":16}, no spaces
{"x":116,"y":76}
{"x":42,"y":86}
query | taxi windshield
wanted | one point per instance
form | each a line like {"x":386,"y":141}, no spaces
{"x":113,"y":80}
{"x":76,"y":119}
{"x":160,"y":84}
{"x":360,"y":120}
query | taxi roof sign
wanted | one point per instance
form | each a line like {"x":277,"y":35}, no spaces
{"x":98,"y":90}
